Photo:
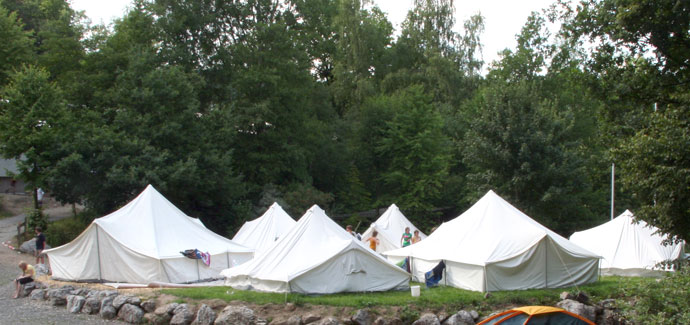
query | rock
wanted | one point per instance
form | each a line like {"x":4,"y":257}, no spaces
{"x":106,"y":294}
{"x":442,"y":316}
{"x":58,"y":301}
{"x":28,"y":288}
{"x":347,"y":321}
{"x":363,"y":317}
{"x":107,"y":311}
{"x":29,"y":246}
{"x":474,"y":314}
{"x":294,"y":320}
{"x":328,"y":321}
{"x":155,"y":319}
{"x":578,"y":308}
{"x":607,"y":303}
{"x":38,"y":294}
{"x":582,"y":297}
{"x":130,"y":313}
{"x":566,"y":295}
{"x":148,"y":306}
{"x":279,"y":321}
{"x":460,"y":318}
{"x":133,"y":300}
{"x":120,"y":300}
{"x":182,"y":315}
{"x":384,"y":321}
{"x":91,"y":306}
{"x":74,"y":303}
{"x":236,"y":315}
{"x":310,"y":318}
{"x":41,"y":269}
{"x":79,"y":292}
{"x":205,"y":316}
{"x":427,"y":319}
{"x":609,"y":317}
{"x":290,"y":307}
{"x":167,"y":309}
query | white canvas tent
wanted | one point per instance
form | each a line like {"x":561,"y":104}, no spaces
{"x":626,"y":247}
{"x":317,"y":257}
{"x":262,"y":232}
{"x":141,"y":243}
{"x":493,"y":246}
{"x":390,"y":227}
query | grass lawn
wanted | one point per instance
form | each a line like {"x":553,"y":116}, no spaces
{"x":438,"y":298}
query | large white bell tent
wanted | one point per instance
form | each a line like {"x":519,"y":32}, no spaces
{"x":628,"y":247}
{"x":390,"y":227}
{"x":494,"y":246}
{"x":317,"y":257}
{"x":142,"y":243}
{"x":261,"y":232}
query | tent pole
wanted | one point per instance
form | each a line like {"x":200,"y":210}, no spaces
{"x":546,"y":267}
{"x":98,"y":253}
{"x":227,"y":257}
{"x":613,"y":186}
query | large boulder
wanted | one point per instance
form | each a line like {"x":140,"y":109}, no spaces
{"x":460,"y":318}
{"x":182,"y":315}
{"x":131,"y":314}
{"x":328,"y":321}
{"x":107,"y":311}
{"x":75,"y":303}
{"x":427,"y":319}
{"x":236,"y":315}
{"x":310,"y":318}
{"x":205,"y":315}
{"x":294,"y":320}
{"x":38,"y":294}
{"x":29,"y":246}
{"x":148,"y":306}
{"x":363,"y":317}
{"x":91,"y":306}
{"x":578,"y":308}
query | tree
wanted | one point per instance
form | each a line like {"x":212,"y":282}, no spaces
{"x":641,"y":58}
{"x":32,"y":116}
{"x":17,"y":45}
{"x":529,"y":134}
{"x":415,"y":150}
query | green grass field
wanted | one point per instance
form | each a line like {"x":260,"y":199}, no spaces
{"x":435,"y":298}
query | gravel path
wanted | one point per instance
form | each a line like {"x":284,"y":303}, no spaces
{"x":24,"y":310}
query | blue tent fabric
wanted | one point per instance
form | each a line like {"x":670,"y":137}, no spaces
{"x":433,"y":277}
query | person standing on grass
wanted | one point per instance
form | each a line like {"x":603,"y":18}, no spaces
{"x":28,"y":273}
{"x":406,"y":237}
{"x":40,"y":245}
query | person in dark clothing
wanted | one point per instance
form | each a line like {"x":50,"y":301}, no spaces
{"x":40,"y":245}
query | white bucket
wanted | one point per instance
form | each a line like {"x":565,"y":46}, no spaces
{"x":415,"y":291}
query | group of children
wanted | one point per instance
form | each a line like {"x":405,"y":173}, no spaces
{"x":406,"y":240}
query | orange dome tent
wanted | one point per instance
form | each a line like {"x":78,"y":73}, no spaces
{"x":537,"y":315}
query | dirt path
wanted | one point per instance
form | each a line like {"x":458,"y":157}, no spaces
{"x":24,"y":310}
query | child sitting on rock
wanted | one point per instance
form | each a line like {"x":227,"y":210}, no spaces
{"x":28,"y":273}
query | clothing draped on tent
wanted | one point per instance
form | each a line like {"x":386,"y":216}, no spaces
{"x":629,"y":247}
{"x":317,"y":256}
{"x":141,"y":243}
{"x":494,"y":246}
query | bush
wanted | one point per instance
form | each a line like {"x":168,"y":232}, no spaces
{"x":35,"y":218}
{"x":64,"y":231}
{"x":666,"y":301}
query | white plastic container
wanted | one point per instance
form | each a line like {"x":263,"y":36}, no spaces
{"x":415,"y":291}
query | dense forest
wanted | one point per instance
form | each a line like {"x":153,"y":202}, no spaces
{"x":227,"y":106}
